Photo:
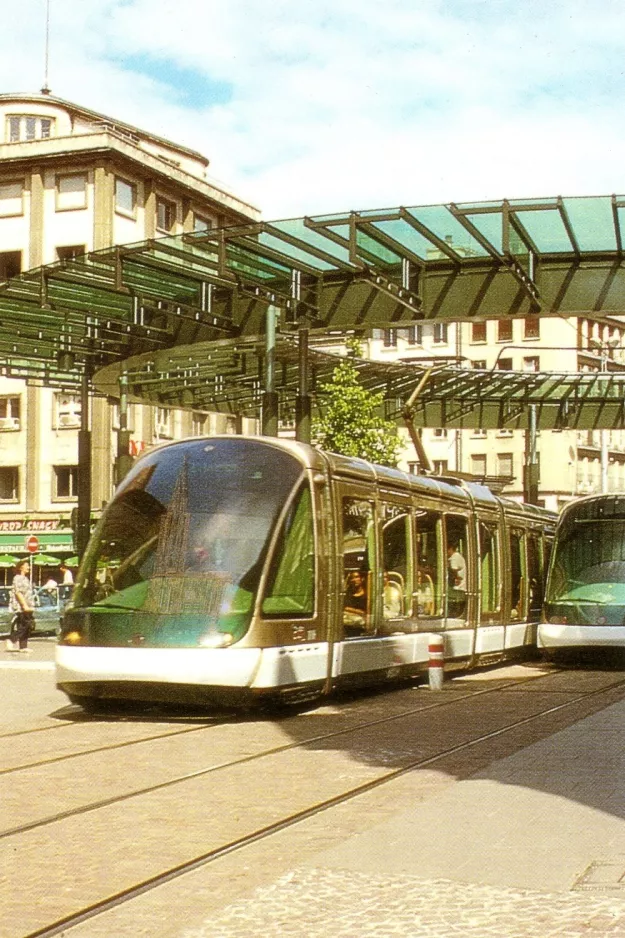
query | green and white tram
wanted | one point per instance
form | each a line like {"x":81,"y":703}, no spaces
{"x":231,"y":568}
{"x":585,"y":593}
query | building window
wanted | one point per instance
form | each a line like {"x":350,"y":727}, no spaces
{"x":390,"y":338}
{"x":480,"y":364}
{"x":9,"y":483}
{"x":125,"y":197}
{"x":199,"y":424}
{"x":10,"y":264}
{"x":25,"y":127}
{"x":478,"y":332}
{"x":414,"y":335}
{"x":71,"y":192}
{"x":163,"y":425}
{"x":66,"y":411}
{"x":11,"y":198}
{"x":65,"y":481}
{"x":440,"y":466}
{"x":9,"y":413}
{"x":165,"y":215}
{"x":504,"y":364}
{"x":531,"y":327}
{"x":201,"y":224}
{"x":440,"y":333}
{"x":440,"y":433}
{"x":70,"y":251}
{"x":504,"y":330}
{"x":480,"y":432}
{"x":478,"y":465}
{"x":531,"y":363}
{"x":505,"y":465}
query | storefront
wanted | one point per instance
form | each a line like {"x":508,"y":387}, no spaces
{"x":45,"y":541}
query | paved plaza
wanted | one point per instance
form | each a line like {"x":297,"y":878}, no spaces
{"x":532,"y":847}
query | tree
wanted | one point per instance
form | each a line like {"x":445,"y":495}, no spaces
{"x":352,"y":421}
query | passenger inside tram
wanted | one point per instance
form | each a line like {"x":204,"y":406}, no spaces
{"x":456,"y":580}
{"x":355,"y":603}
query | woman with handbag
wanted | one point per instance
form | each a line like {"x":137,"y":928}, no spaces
{"x":22,"y":604}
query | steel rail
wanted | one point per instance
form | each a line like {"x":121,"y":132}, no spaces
{"x":153,"y":882}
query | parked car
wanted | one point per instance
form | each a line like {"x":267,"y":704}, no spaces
{"x":49,"y":604}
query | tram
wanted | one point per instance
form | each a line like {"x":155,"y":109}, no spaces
{"x":226,"y":569}
{"x":585,"y":590}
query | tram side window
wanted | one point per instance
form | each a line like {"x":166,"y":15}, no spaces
{"x":429,"y":564}
{"x":358,"y":565}
{"x":490,"y":576}
{"x":395,"y":553}
{"x":456,"y":539}
{"x":291,"y":589}
{"x":535,"y":574}
{"x":517,"y":574}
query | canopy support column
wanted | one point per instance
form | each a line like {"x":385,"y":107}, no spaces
{"x":83,"y":515}
{"x":270,"y":396}
{"x":302,"y":404}
{"x":123,"y":461}
{"x":530,"y":470}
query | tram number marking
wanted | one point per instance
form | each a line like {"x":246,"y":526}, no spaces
{"x":302,"y":634}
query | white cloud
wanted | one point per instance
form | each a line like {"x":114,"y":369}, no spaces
{"x":324,"y":105}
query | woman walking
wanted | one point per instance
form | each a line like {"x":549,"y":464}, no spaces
{"x":21,"y":603}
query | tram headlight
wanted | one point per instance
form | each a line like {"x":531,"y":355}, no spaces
{"x":216,"y":640}
{"x":558,"y":620}
{"x":72,"y":638}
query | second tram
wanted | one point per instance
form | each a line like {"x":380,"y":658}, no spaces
{"x":585,"y":591}
{"x":228,"y":568}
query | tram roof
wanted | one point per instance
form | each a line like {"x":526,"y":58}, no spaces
{"x":202,"y":297}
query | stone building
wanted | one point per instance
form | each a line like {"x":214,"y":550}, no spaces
{"x":74,"y":181}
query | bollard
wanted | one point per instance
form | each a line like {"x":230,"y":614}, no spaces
{"x":436,"y":653}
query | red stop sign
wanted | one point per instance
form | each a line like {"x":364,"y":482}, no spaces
{"x":32,"y":544}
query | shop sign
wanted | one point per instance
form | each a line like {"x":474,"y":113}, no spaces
{"x":30,"y":524}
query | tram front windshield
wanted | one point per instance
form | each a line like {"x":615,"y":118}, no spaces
{"x":185,"y":539}
{"x":589,"y":562}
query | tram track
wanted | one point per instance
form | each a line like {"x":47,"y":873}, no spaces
{"x":263,"y":831}
{"x":207,"y":722}
{"x":166,"y":876}
{"x":312,"y":740}
{"x":171,"y":734}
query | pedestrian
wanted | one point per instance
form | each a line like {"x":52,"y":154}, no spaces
{"x":21,"y":604}
{"x":66,"y":573}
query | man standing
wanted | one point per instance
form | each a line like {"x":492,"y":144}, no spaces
{"x":457,"y":568}
{"x":21,"y":603}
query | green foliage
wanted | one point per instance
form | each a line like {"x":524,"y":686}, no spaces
{"x":352,"y":422}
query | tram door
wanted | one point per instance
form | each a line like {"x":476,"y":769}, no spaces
{"x":490,"y":633}
{"x":516,"y":628}
{"x":535,"y":575}
{"x":459,"y":577}
{"x":395,"y":525}
{"x":358,"y":552}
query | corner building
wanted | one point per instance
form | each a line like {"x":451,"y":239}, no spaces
{"x":74,"y":181}
{"x":571,"y":462}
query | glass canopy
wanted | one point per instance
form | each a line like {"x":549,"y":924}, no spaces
{"x":182,"y":295}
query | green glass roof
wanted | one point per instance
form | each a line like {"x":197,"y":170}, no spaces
{"x":355,"y":271}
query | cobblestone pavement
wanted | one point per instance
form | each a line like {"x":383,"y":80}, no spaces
{"x":317,"y":903}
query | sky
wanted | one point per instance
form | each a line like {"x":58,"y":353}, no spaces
{"x":308,"y":107}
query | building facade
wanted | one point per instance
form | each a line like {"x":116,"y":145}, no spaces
{"x":74,"y":181}
{"x":571,"y":462}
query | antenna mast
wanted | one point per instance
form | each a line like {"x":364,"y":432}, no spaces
{"x":46,"y":89}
